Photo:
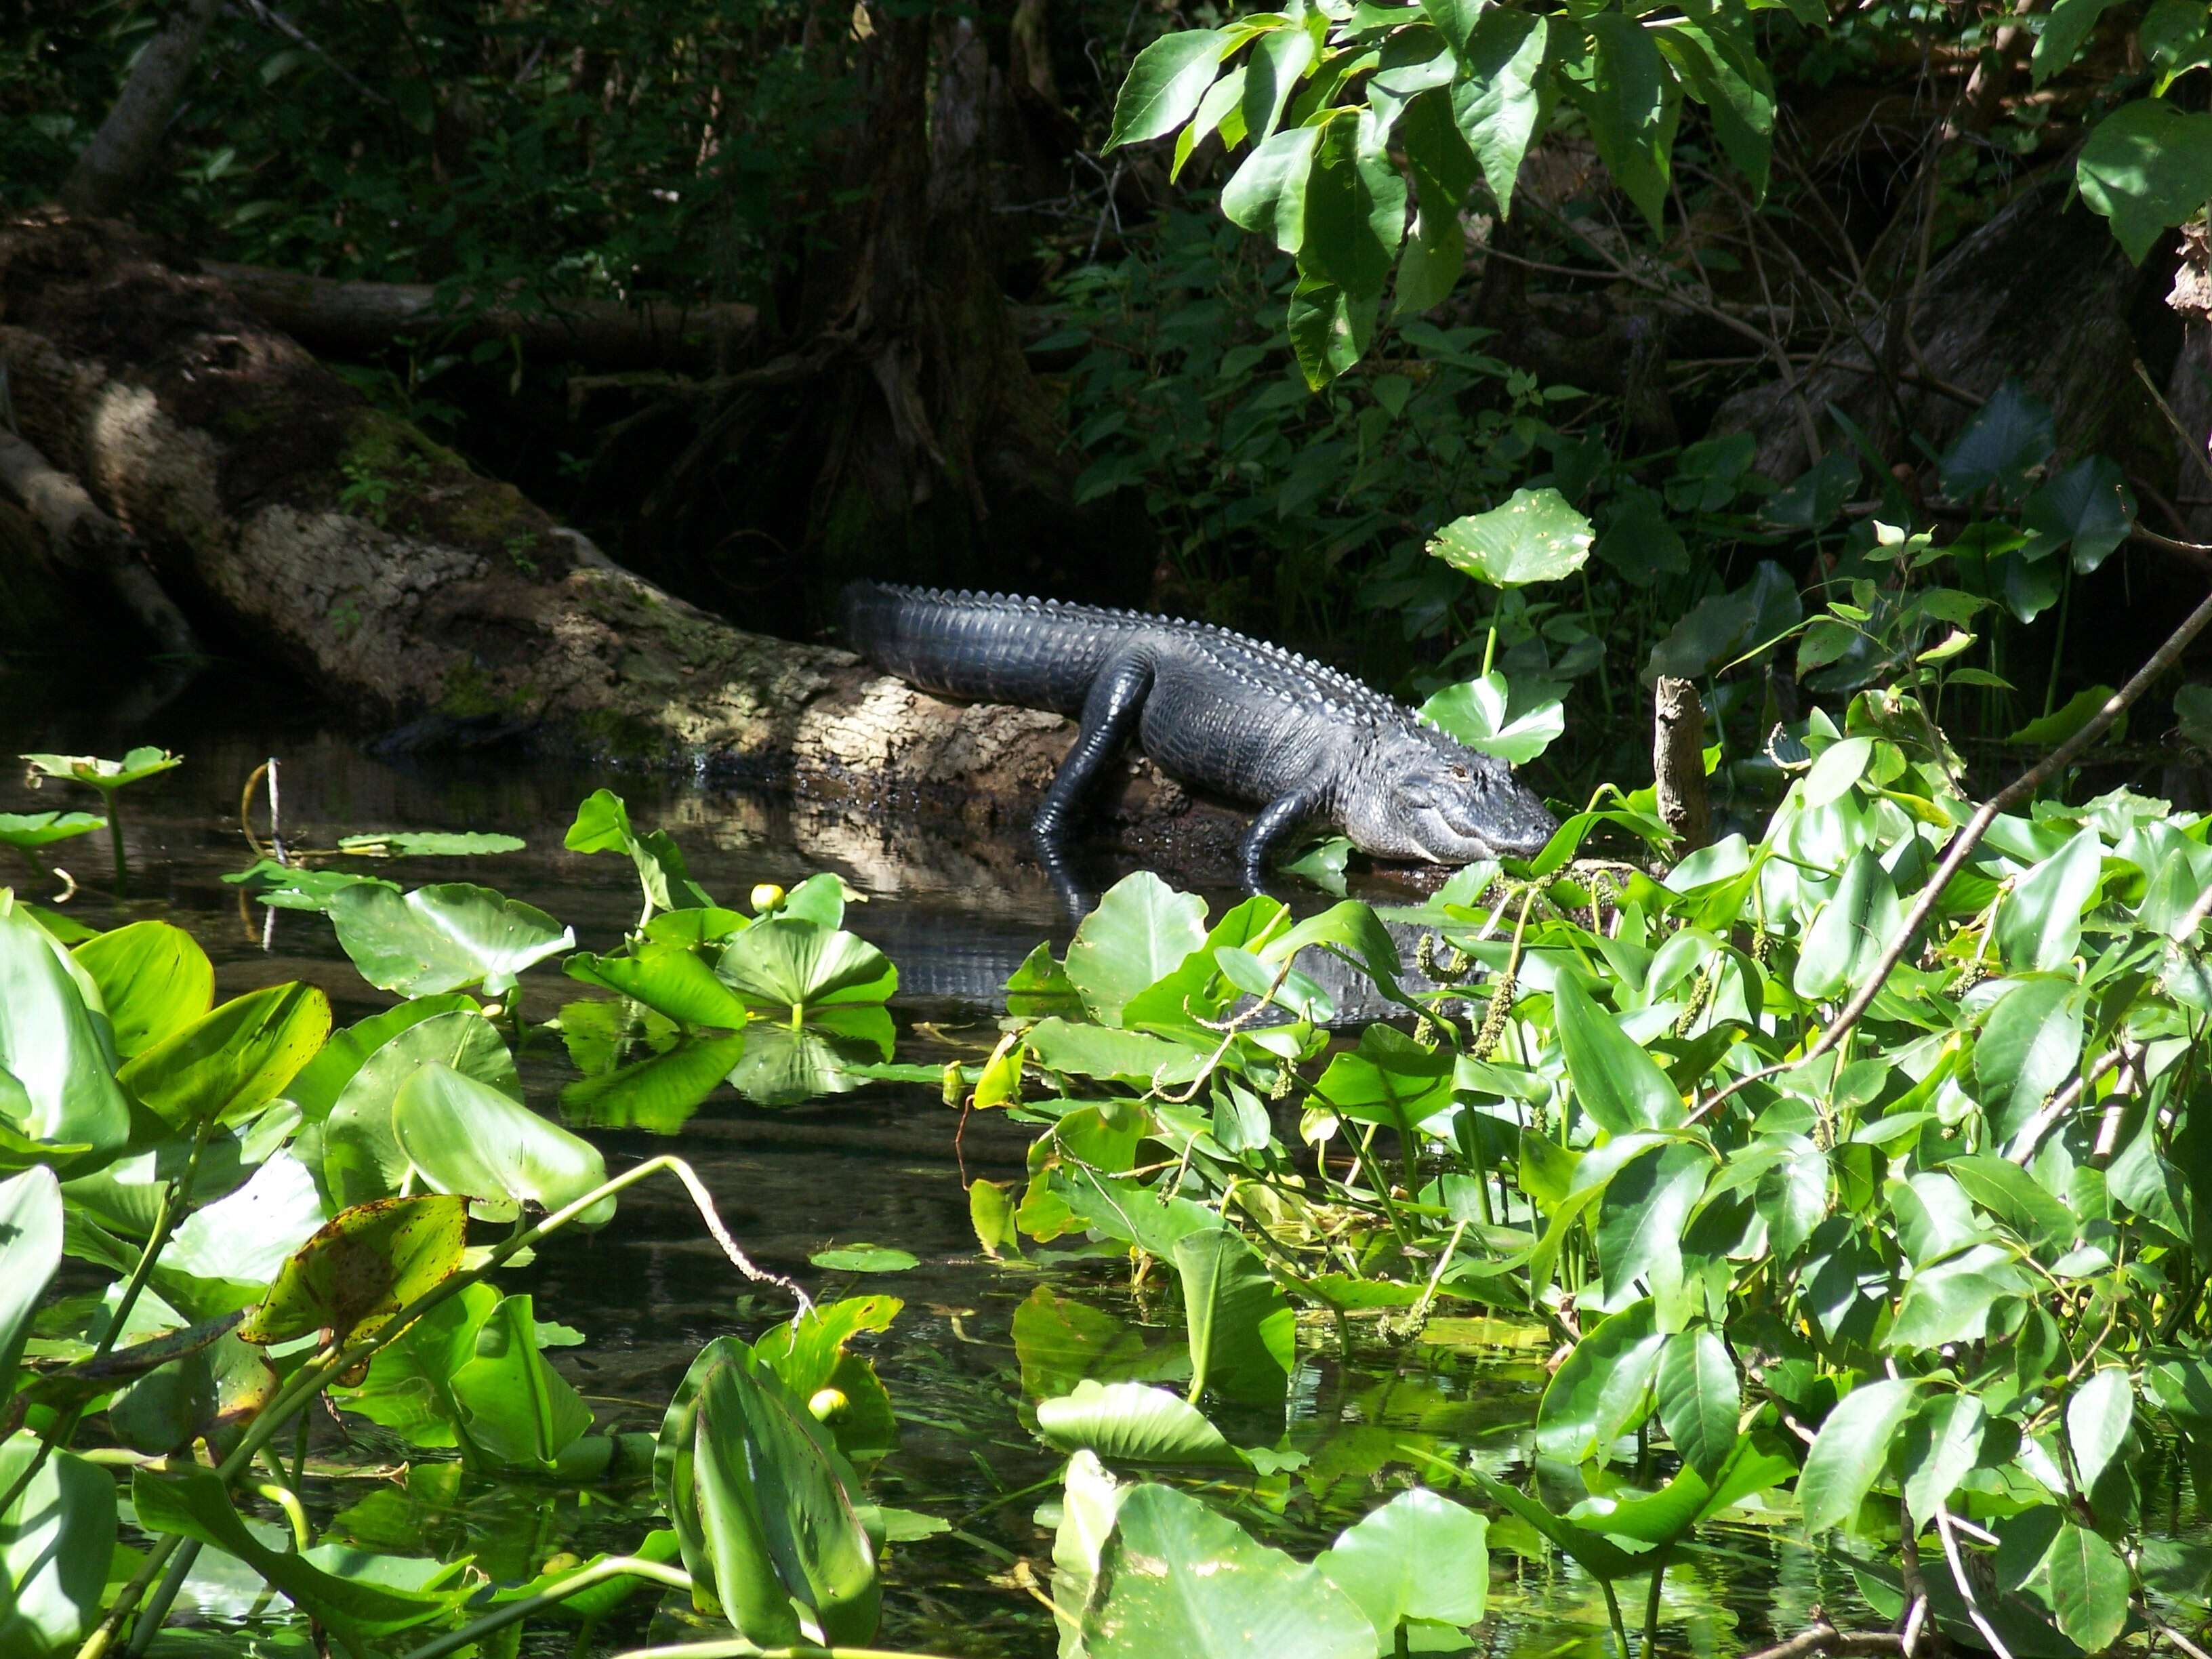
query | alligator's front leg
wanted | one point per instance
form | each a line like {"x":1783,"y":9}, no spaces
{"x":1274,"y":826}
{"x":1109,"y":715}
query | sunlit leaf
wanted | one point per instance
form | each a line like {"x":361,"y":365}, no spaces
{"x":55,"y":1541}
{"x":1535,"y":536}
{"x":443,"y":938}
{"x":363,"y":1268}
{"x":1850,"y":1452}
{"x":1128,"y":1422}
{"x":465,"y":1137}
{"x":233,"y":1060}
{"x":153,"y":977}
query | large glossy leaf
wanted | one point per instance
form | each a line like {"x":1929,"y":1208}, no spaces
{"x":1534,"y":537}
{"x":190,"y":1502}
{"x":443,"y":938}
{"x":1498,"y":104}
{"x":1593,"y":1551}
{"x":246,"y":1237}
{"x":30,"y":1250}
{"x":1616,"y":1083}
{"x":1175,"y":1578}
{"x":514,"y":1407}
{"x":762,"y":1503}
{"x":2039,"y":923}
{"x":1942,"y":1441}
{"x":50,"y":1046}
{"x":361,"y":1156}
{"x":1699,"y":1399}
{"x":1631,"y":102}
{"x":1140,"y":933}
{"x":788,"y":962}
{"x":362,"y":1268}
{"x":1850,"y":1452}
{"x":2097,"y":1421}
{"x":2009,"y":435}
{"x":106,"y":775}
{"x":2028,"y":1047}
{"x":811,"y":1352}
{"x":467,"y":1138}
{"x":233,"y":1060}
{"x":668,"y":979}
{"x":1641,"y":1220}
{"x":154,"y":979}
{"x":56,"y":1542}
{"x":1420,"y":1556}
{"x":782,"y":1065}
{"x":1848,"y":937}
{"x":1244,"y":1337}
{"x":1602,"y":1391}
{"x":1389,"y":1079}
{"x":2147,"y":167}
{"x":316,"y":1087}
{"x":2089,"y":1588}
{"x":603,"y":825}
{"x":1130,"y":1423}
{"x":657,"y":1094}
{"x":1164,"y":85}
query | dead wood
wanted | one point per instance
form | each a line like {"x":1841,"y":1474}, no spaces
{"x":1678,"y":763}
{"x":359,"y":319}
{"x":401,"y":585}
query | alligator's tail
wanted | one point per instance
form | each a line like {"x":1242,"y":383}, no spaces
{"x":1036,"y":651}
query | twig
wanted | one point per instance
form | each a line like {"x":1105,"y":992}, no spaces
{"x":1943,"y":1529}
{"x":2031,"y":1133}
{"x":1825,"y":1637}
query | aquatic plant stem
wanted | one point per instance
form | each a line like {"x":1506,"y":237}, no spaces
{"x":158,"y":1605}
{"x":616,"y":1567}
{"x":1962,"y":849}
{"x":115,"y":839}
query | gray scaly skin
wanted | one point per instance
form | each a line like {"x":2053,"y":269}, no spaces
{"x":1247,"y":720}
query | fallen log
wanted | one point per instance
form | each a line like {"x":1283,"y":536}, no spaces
{"x":359,"y":319}
{"x":273,"y":501}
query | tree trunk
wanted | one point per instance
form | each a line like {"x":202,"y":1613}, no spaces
{"x":273,"y":501}
{"x":357,"y":318}
{"x":108,"y":168}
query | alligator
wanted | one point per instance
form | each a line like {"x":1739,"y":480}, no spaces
{"x":1252,"y":721}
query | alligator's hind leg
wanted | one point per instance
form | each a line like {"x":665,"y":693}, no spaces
{"x":1109,"y":715}
{"x":1269,"y":830}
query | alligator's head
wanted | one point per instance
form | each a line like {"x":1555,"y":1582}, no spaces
{"x":1422,"y":795}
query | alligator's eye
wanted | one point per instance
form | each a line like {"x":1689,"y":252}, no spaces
{"x":1459,"y":773}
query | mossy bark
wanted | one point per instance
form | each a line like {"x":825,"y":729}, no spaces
{"x":277,"y":505}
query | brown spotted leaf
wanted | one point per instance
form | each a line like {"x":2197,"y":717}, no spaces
{"x":362,"y":1268}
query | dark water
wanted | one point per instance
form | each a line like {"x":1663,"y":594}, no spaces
{"x":880,"y":1165}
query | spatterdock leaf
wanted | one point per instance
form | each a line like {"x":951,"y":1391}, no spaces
{"x":467,"y":1137}
{"x":363,"y":1268}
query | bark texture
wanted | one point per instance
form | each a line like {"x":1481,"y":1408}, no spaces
{"x":271,"y":499}
{"x":108,"y":168}
{"x":1678,"y":763}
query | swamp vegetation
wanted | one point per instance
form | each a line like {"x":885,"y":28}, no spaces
{"x":1775,"y":1216}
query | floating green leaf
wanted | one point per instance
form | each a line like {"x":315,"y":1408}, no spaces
{"x":465,"y":1137}
{"x":1140,"y":933}
{"x":1128,"y":1422}
{"x":443,"y":938}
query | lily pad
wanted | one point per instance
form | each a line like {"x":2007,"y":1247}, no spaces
{"x":443,"y":938}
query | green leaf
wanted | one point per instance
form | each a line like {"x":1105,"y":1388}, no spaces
{"x":2089,"y":1586}
{"x":1642,"y":1216}
{"x":190,"y":1502}
{"x":106,"y":775}
{"x":1737,"y":92}
{"x":2049,"y":730}
{"x":1389,"y":1079}
{"x":1244,"y":1337}
{"x":514,"y":1407}
{"x":1618,"y":1086}
{"x":1630,"y":102}
{"x":2192,"y":710}
{"x":1850,"y":1451}
{"x":1699,"y":1399}
{"x":1267,"y":194}
{"x":1330,"y":329}
{"x":2147,"y":167}
{"x":2063,"y":32}
{"x":468,"y":1137}
{"x":56,"y":1542}
{"x":1141,"y":932}
{"x":427,"y":844}
{"x":2088,"y":506}
{"x":2028,"y":1047}
{"x":1849,"y":936}
{"x":669,"y":979}
{"x":1942,"y":1442}
{"x":1164,"y":85}
{"x":1175,"y":1578}
{"x":50,"y":1046}
{"x":764,"y":1506}
{"x":154,"y":979}
{"x":1592,"y":1550}
{"x":2010,"y":435}
{"x":863,"y":1258}
{"x":1355,"y":208}
{"x":31,"y":829}
{"x":229,"y":1063}
{"x":443,"y":938}
{"x":603,"y":825}
{"x":317,"y":1086}
{"x":1279,"y":60}
{"x":784,"y":1065}
{"x":1081,"y":1049}
{"x":1500,"y":104}
{"x":2039,"y":923}
{"x":30,"y":1250}
{"x":1951,"y":1300}
{"x":811,"y":1352}
{"x":1131,"y":1423}
{"x":2097,"y":1421}
{"x":1535,"y":536}
{"x":1475,"y":712}
{"x":362,"y":1268}
{"x":788,"y":962}
{"x":362,"y":1160}
{"x":1420,"y":1556}
{"x":657,"y":1094}
{"x":1600,"y":1393}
